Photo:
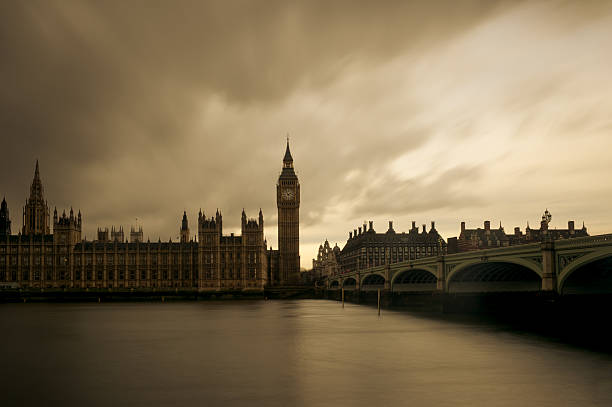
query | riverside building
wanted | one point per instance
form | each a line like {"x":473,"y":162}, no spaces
{"x":488,"y":238}
{"x":366,"y":248}
{"x":39,"y":258}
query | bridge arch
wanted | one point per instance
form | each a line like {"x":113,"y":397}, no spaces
{"x":536,"y":268}
{"x":334,"y":285}
{"x":498,"y":275}
{"x":373,"y":281}
{"x":414,"y":279}
{"x":349,"y":283}
{"x":591,"y":273}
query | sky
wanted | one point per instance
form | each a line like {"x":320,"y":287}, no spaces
{"x":442,"y":111}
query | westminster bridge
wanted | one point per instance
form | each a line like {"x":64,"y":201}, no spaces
{"x":560,"y":267}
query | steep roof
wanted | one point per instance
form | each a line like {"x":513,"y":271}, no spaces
{"x":36,"y":190}
{"x":287,"y":154}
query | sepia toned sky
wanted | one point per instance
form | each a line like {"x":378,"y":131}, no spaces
{"x":438,"y":110}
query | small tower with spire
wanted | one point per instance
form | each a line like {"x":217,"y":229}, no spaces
{"x":36,"y":211}
{"x":184,"y":228}
{"x":5,"y":220}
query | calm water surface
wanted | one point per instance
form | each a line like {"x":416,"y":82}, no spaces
{"x":282,"y":353}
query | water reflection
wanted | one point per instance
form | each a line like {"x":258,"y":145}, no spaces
{"x":275,"y":353}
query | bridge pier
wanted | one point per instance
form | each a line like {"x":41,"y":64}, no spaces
{"x":386,"y":296}
{"x":440,"y":275}
{"x":388,"y":277}
{"x":549,"y":272}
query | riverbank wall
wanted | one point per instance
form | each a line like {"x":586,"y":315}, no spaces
{"x":152,"y":295}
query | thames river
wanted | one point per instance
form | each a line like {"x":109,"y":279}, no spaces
{"x":283,"y":353}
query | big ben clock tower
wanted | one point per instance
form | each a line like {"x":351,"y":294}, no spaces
{"x":288,"y":203}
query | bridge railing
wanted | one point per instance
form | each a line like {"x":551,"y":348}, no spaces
{"x":519,"y":248}
{"x":598,"y":240}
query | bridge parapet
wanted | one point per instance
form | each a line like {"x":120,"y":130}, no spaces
{"x":580,"y":242}
{"x":498,"y":251}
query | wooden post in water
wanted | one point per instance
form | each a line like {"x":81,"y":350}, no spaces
{"x":342,"y":297}
{"x":379,"y":302}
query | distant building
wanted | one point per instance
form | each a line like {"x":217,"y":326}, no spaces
{"x":326,"y":263}
{"x":366,"y":248}
{"x":487,"y":238}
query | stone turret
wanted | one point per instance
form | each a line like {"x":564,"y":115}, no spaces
{"x":184,"y":228}
{"x":5,"y":221}
{"x":136,"y":234}
{"x":103,"y":235}
{"x":117,"y":234}
{"x":66,"y":228}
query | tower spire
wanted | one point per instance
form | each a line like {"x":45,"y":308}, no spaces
{"x":35,"y":211}
{"x":288,"y":157}
{"x":184,"y":222}
{"x":36,"y":190}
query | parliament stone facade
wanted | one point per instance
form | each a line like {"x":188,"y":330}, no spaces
{"x":37,"y":258}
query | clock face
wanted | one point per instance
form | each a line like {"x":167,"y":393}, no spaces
{"x":287,"y":194}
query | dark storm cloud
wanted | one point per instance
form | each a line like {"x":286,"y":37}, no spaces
{"x":146,"y":109}
{"x":93,"y":82}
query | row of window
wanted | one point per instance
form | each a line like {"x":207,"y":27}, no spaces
{"x":252,"y":258}
{"x":49,"y":249}
{"x":26,"y":249}
{"x":99,"y":275}
{"x":403,"y":249}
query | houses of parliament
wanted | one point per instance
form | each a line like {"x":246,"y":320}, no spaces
{"x":45,"y":255}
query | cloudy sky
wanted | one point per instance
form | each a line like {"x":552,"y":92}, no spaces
{"x":445,"y":111}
